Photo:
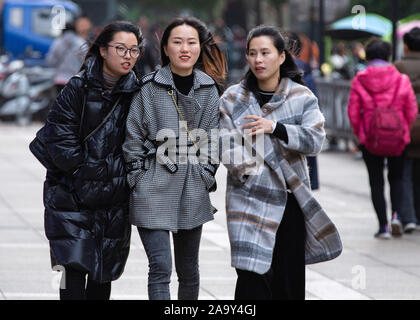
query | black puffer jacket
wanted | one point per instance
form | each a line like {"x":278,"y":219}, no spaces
{"x":86,"y":197}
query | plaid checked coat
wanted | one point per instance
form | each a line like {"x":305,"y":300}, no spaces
{"x":256,"y":198}
{"x":169,"y":193}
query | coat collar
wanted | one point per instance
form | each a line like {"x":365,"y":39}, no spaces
{"x":279,"y":96}
{"x":164,"y":77}
{"x":94,"y":77}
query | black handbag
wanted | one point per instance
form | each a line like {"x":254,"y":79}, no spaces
{"x":39,"y":150}
{"x":38,"y":146}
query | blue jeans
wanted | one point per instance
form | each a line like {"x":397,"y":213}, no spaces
{"x":158,"y":250}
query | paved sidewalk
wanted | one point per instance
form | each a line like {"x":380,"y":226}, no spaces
{"x":367,"y":269}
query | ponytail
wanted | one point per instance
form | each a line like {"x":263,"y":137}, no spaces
{"x":289,"y":69}
{"x":213,"y":60}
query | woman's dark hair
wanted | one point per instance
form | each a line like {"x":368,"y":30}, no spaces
{"x":211,"y":60}
{"x":107,"y":35}
{"x":287,"y":70}
{"x":377,"y":49}
{"x":412,"y":39}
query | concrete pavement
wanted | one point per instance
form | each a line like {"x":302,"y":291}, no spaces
{"x":367,"y":269}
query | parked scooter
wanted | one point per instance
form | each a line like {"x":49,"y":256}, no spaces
{"x":25,"y":93}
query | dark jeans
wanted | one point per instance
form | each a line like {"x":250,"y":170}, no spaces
{"x":76,"y":287}
{"x":313,"y":172}
{"x":285,"y":279}
{"x":375,"y":167}
{"x":416,"y":187}
{"x":407,"y":211}
{"x":158,"y":250}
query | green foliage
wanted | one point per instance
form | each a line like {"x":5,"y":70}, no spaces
{"x":162,"y":11}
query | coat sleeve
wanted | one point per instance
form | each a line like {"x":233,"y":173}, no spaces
{"x":136,"y":134}
{"x":63,"y":125}
{"x":211,"y":162}
{"x":353,"y":110}
{"x":308,"y":136}
{"x":234,"y":153}
{"x":52,"y":58}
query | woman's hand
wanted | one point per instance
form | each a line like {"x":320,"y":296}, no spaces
{"x":259,"y":125}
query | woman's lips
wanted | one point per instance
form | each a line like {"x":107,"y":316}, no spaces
{"x":126,"y":65}
{"x":184,"y":58}
{"x":259,"y":69}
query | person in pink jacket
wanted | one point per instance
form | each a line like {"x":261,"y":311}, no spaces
{"x":381,"y":85}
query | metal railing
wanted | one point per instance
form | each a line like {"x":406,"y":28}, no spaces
{"x":333,"y":99}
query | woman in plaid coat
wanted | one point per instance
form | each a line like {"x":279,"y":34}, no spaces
{"x":275,"y":224}
{"x":170,"y":191}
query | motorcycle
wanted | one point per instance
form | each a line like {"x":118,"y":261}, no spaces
{"x":25,"y":92}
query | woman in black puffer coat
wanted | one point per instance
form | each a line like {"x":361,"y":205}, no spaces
{"x":85,"y":193}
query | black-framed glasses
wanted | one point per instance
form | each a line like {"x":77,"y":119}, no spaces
{"x":122,"y":51}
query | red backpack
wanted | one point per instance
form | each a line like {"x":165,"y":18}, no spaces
{"x":385,"y":135}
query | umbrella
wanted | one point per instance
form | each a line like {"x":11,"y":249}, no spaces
{"x":406,"y":27}
{"x":352,"y":28}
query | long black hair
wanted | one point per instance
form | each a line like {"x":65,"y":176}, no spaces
{"x":287,"y":70}
{"x":211,"y":60}
{"x":107,"y":35}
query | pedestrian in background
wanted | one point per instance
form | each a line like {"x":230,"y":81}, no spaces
{"x":68,"y":51}
{"x":275,"y":224}
{"x":295,"y":45}
{"x":150,"y":56}
{"x":410,"y":65}
{"x":85,"y":192}
{"x":381,"y":88}
{"x":170,"y":193}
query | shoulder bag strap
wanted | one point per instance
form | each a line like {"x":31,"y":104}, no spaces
{"x":82,"y":115}
{"x":104,"y":120}
{"x":171,"y":93}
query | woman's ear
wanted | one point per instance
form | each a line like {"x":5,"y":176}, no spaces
{"x":282,"y":57}
{"x":102,"y":51}
{"x":164,"y":49}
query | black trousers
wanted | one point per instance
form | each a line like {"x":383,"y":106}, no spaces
{"x":285,"y":279}
{"x":77,"y":288}
{"x":416,"y":187}
{"x":375,"y":166}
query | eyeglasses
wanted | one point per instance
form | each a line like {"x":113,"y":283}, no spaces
{"x":122,"y":51}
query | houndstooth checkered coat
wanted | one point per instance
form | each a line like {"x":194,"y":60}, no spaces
{"x":168,"y":192}
{"x":255,"y":204}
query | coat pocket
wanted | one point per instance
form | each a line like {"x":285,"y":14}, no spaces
{"x":89,"y":183}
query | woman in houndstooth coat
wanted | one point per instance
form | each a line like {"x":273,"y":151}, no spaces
{"x":169,"y":124}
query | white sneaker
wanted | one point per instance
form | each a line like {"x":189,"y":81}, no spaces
{"x":396,"y":226}
{"x":383,"y":235}
{"x":409,"y":227}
